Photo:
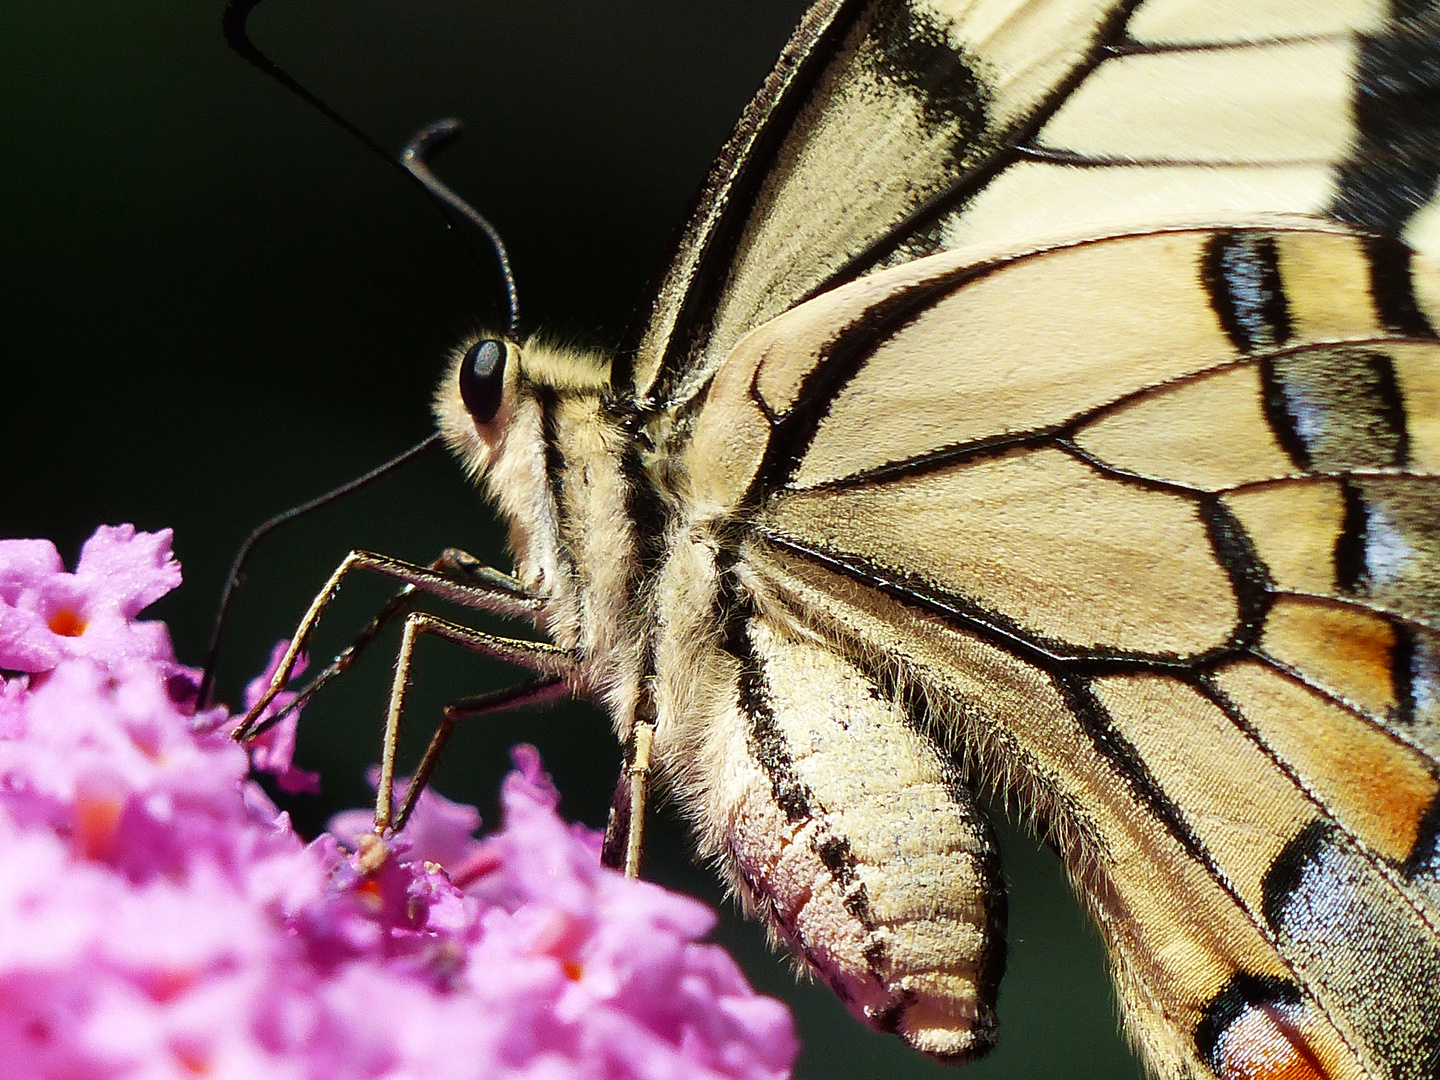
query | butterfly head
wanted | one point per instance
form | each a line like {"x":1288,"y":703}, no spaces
{"x":476,"y":400}
{"x":509,"y":411}
{"x":496,"y":391}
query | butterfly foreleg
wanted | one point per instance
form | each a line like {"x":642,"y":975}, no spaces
{"x":454,"y":576}
{"x":556,"y":668}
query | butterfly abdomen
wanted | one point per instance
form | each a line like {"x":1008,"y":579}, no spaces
{"x":884,"y":882}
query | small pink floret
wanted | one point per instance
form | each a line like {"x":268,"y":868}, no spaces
{"x":159,"y":917}
{"x":271,"y":752}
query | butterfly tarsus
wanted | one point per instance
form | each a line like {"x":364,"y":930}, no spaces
{"x":343,"y":661}
{"x":624,"y":841}
{"x":457,"y":576}
{"x":453,"y":560}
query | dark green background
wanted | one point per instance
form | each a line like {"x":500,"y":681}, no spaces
{"x":216,"y":305}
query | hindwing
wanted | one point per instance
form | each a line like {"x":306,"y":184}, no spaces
{"x":1151,"y":522}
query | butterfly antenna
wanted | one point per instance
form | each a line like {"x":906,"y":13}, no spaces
{"x":264,"y":529}
{"x":425,"y":143}
{"x":412,"y":161}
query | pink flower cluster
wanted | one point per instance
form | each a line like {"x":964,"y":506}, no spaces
{"x":159,"y":918}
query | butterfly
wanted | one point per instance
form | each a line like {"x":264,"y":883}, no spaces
{"x":1043,"y":400}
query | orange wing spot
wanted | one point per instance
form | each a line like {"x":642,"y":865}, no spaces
{"x":1349,"y":652}
{"x":1377,"y":788}
{"x":1262,"y":1044}
{"x":67,"y":623}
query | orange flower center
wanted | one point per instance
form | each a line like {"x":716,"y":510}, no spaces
{"x":67,"y":623}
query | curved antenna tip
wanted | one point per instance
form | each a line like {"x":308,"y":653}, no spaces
{"x":412,"y":160}
{"x":415,"y":157}
{"x":432,"y":138}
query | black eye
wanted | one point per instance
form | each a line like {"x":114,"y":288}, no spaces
{"x":482,"y":378}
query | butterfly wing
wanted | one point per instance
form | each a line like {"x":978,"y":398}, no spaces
{"x":1143,"y":509}
{"x":895,"y":129}
{"x":1151,"y":523}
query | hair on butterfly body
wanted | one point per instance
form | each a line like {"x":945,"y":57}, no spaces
{"x":997,"y":423}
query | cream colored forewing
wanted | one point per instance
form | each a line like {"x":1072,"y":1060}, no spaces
{"x":895,"y":129}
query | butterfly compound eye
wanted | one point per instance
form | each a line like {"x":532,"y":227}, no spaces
{"x":482,"y":378}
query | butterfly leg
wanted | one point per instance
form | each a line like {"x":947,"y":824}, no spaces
{"x":538,"y":691}
{"x":453,"y":561}
{"x":454,"y":576}
{"x":555,"y":667}
{"x":625,"y":826}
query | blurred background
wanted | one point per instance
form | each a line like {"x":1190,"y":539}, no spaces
{"x":216,"y":305}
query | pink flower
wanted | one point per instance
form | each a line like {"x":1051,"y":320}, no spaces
{"x":272,"y":750}
{"x":160,"y":918}
{"x":47,"y":615}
